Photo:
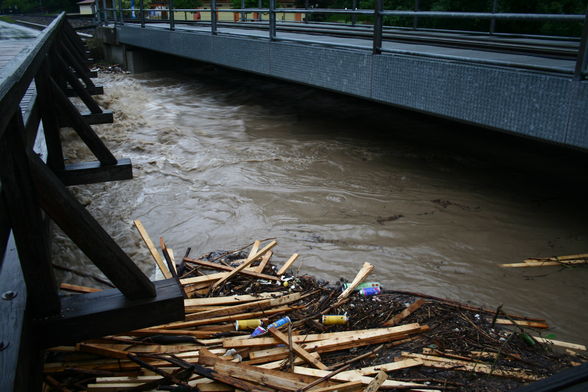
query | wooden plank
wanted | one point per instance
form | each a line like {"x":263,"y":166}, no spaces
{"x":246,"y":307}
{"x":523,"y":323}
{"x":454,"y":364}
{"x":77,"y":86}
{"x":264,"y":260}
{"x":377,"y":382}
{"x":544,"y":264}
{"x":94,"y":172}
{"x":90,"y":315}
{"x":342,"y":343}
{"x":365,"y":270}
{"x":389,"y":367}
{"x":405,"y":313}
{"x":234,"y":299}
{"x":269,"y":341}
{"x":22,"y":207}
{"x":103,"y":351}
{"x":87,"y":234}
{"x":222,"y":267}
{"x":204,"y":278}
{"x":344,"y":387}
{"x":297,"y":349}
{"x":78,"y":289}
{"x":233,"y":317}
{"x":271,"y":378}
{"x":288,"y":264}
{"x":245,"y":264}
{"x":350,"y":377}
{"x":560,"y":343}
{"x":154,"y":253}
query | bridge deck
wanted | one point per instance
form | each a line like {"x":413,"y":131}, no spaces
{"x":528,"y":61}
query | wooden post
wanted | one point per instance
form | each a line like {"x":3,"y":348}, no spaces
{"x":49,"y":118}
{"x":85,"y":131}
{"x":25,"y":218}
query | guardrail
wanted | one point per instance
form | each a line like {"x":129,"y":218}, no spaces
{"x":144,"y":16}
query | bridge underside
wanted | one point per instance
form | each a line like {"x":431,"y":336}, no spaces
{"x":528,"y":103}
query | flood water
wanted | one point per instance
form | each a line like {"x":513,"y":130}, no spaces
{"x":222,"y":158}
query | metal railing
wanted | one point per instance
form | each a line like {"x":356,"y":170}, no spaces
{"x":117,"y":15}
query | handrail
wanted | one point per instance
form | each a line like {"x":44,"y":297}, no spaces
{"x":16,"y":75}
{"x":378,"y":13}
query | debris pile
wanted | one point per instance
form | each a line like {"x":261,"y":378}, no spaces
{"x":250,"y":325}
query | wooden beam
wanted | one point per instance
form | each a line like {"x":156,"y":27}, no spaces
{"x":78,"y":289}
{"x":245,"y":264}
{"x":405,"y":313}
{"x":77,"y":85}
{"x":297,"y":349}
{"x":154,"y":253}
{"x":96,"y":90}
{"x":87,"y":233}
{"x":365,"y":270}
{"x":234,"y":299}
{"x":288,"y":264}
{"x":105,"y":117}
{"x":22,"y":207}
{"x":95,"y":172}
{"x":246,"y":307}
{"x":204,"y":263}
{"x":523,"y":323}
{"x":377,"y":382}
{"x":84,"y":130}
{"x":87,"y":316}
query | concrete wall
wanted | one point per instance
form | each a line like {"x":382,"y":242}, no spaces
{"x":548,"y":107}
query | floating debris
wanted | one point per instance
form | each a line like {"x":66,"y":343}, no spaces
{"x":308,"y":336}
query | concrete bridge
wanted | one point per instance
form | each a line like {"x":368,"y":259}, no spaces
{"x":529,"y":86}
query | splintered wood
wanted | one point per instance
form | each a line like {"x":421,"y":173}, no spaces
{"x":252,"y":326}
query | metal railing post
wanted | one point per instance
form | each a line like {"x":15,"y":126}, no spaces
{"x":306,"y":7}
{"x":493,"y":20}
{"x":582,"y":60}
{"x":170,"y":11}
{"x":213,"y":17}
{"x":120,"y":12}
{"x":142,"y":10}
{"x":354,"y":16}
{"x":415,"y":20}
{"x":104,"y":13}
{"x":242,"y":13}
{"x":272,"y":19}
{"x":378,"y":25}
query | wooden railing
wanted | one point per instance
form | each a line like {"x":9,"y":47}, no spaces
{"x":33,"y":192}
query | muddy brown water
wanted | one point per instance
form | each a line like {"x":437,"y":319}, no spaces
{"x":222,"y":158}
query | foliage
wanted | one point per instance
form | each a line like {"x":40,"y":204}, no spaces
{"x":24,"y":6}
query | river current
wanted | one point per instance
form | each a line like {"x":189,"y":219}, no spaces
{"x":222,"y":158}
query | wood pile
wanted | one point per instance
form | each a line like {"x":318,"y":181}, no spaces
{"x":388,"y":340}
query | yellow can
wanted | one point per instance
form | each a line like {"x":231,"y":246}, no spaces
{"x":247,"y":324}
{"x":335,"y":319}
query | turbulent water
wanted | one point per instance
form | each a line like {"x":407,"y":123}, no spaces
{"x":221,"y":159}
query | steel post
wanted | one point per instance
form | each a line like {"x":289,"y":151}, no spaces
{"x":104,"y":13}
{"x":142,"y":10}
{"x":213,"y":17}
{"x":242,"y":13}
{"x":272,"y":19}
{"x":354,"y":16}
{"x":582,"y":60}
{"x":415,"y":20}
{"x":306,"y":7}
{"x":378,"y":23}
{"x":493,"y":20}
{"x":120,"y":12}
{"x":170,"y":12}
